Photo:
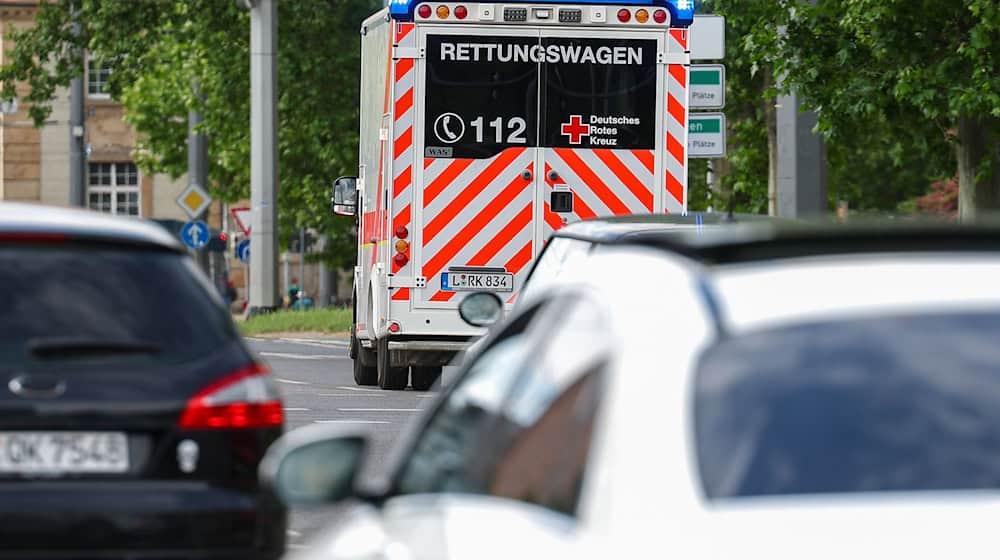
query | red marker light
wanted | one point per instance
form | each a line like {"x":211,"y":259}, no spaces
{"x":402,"y":232}
{"x":401,"y":259}
{"x":660,"y":16}
{"x":461,"y":12}
{"x":223,"y":236}
{"x":624,"y":15}
{"x":394,"y":327}
{"x":424,"y":11}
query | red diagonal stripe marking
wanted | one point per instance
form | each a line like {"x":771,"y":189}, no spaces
{"x":443,"y":296}
{"x":476,"y":225}
{"x":591,"y":179}
{"x":517,"y":262}
{"x":403,"y":67}
{"x":580,"y":207}
{"x":677,"y":71}
{"x":402,"y":218}
{"x":500,"y":240}
{"x":402,"y":181}
{"x":402,"y":31}
{"x":646,"y":158}
{"x":404,"y":103}
{"x":551,"y":218}
{"x":675,"y":148}
{"x":675,"y":188}
{"x":401,"y":294}
{"x":675,"y":109}
{"x":469,"y":193}
{"x":625,"y":175}
{"x":429,"y":162}
{"x":681,"y":36}
{"x":403,"y":143}
{"x":441,"y":182}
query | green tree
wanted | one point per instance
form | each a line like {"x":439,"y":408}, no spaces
{"x":927,"y":71}
{"x":161,"y":50}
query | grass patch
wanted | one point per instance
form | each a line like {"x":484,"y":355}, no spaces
{"x":329,"y":320}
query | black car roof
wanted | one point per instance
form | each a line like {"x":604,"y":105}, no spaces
{"x":776,"y":240}
{"x":84,"y":225}
{"x":623,"y":228}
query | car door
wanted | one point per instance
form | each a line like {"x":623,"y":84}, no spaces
{"x":519,"y":421}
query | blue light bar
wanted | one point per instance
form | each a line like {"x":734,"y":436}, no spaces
{"x":681,"y":11}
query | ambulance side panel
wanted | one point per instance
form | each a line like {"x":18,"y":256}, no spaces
{"x":372,"y":145}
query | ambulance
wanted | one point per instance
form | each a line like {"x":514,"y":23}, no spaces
{"x":484,"y":128}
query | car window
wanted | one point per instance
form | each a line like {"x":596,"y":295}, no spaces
{"x":558,"y":253}
{"x":55,"y":298}
{"x":900,"y":403}
{"x":519,"y":424}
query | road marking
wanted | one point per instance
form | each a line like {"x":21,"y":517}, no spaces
{"x":427,"y":396}
{"x":353,"y":395}
{"x":293,"y":533}
{"x":345,"y":387}
{"x":304,"y":356}
{"x":380,"y":409}
{"x":297,"y":546}
{"x":294,"y":409}
{"x":290,"y":381}
{"x":351,"y":422}
{"x":320,"y":343}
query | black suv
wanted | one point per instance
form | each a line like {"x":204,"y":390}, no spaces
{"x":132,"y":415}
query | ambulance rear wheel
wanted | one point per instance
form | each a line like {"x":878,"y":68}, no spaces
{"x":423,"y":377}
{"x":392,"y":378}
{"x":365,"y":371}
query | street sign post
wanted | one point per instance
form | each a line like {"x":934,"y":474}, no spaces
{"x":195,"y":234}
{"x":243,"y":251}
{"x":707,"y":135}
{"x":708,"y":86}
{"x":242,"y":217}
{"x":194,"y":200}
{"x":708,"y":37}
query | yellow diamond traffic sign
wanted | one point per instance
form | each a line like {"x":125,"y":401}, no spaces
{"x":194,"y":200}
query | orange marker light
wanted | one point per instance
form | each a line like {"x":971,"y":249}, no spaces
{"x":402,"y":246}
{"x":642,"y":16}
{"x":443,"y":12}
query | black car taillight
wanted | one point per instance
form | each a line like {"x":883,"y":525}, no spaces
{"x":246,"y":398}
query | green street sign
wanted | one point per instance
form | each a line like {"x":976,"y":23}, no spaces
{"x":706,"y":135}
{"x":708,"y":86}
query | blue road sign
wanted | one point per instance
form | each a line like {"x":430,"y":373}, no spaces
{"x":195,"y":234}
{"x":243,"y":250}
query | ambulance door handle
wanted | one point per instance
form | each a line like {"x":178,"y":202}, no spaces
{"x":526,"y":174}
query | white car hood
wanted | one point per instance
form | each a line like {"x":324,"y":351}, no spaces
{"x":925,"y":526}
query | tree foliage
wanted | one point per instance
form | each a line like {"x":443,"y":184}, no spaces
{"x":161,"y":51}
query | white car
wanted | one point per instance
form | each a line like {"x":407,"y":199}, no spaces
{"x":819,"y":394}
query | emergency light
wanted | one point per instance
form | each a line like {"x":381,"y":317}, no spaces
{"x":681,"y":11}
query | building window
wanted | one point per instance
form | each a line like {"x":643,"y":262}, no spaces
{"x":114,"y":188}
{"x":97,"y":79}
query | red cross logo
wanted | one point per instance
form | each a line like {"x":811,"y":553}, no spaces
{"x":575,"y":129}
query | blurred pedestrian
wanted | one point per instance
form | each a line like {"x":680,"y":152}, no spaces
{"x":293,"y":292}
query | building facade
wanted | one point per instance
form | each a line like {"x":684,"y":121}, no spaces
{"x":34,"y":162}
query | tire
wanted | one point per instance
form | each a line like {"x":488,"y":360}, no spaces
{"x":365,"y":372}
{"x":391,"y":378}
{"x":423,"y":377}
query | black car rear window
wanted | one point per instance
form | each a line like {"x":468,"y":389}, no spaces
{"x":903,"y":403}
{"x":53,"y":296}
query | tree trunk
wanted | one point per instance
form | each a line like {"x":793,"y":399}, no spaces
{"x":978,"y":147}
{"x":771,"y":120}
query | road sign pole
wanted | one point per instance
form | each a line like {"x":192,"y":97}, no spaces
{"x":263,"y":156}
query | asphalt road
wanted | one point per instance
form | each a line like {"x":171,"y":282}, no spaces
{"x":316,"y":379}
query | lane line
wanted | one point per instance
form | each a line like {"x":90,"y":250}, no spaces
{"x":293,"y":533}
{"x":345,"y":387}
{"x":352,"y":395}
{"x":304,"y":356}
{"x":379,"y":409}
{"x":290,"y":381}
{"x":295,"y":409}
{"x":320,"y":343}
{"x":427,"y":396}
{"x":351,"y":422}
